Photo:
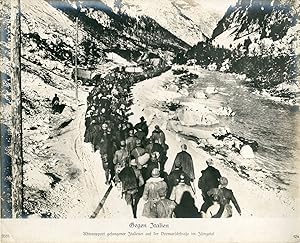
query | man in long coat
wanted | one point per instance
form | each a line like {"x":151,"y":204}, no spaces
{"x":209,"y":179}
{"x":165,"y":207}
{"x":153,"y":186}
{"x":130,"y":186}
{"x":185,"y":160}
{"x":121,"y":159}
{"x":143,"y":126}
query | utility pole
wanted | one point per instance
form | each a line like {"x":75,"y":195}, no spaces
{"x":76,"y":68}
{"x":16,"y":106}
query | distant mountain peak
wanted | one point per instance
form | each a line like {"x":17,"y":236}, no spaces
{"x":256,"y":20}
{"x":190,"y":20}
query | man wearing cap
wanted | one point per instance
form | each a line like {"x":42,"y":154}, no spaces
{"x":138,"y":150}
{"x":158,"y":135}
{"x":55,"y":104}
{"x":178,"y":190}
{"x":96,"y":133}
{"x":141,"y":131}
{"x":159,"y":138}
{"x":131,"y":141}
{"x":141,"y":136}
{"x":106,"y":141}
{"x":106,"y":168}
{"x":151,"y":164}
{"x":184,"y":159}
{"x":209,"y":179}
{"x":226,"y":198}
{"x":121,"y":159}
{"x":127,"y":128}
{"x":165,"y":207}
{"x":174,"y":177}
{"x":142,"y":125}
{"x":91,"y":132}
{"x":130,"y":186}
{"x":153,"y":185}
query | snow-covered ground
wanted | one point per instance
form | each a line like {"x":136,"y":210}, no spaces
{"x":52,"y":151}
{"x":253,"y":200}
{"x":63,"y":153}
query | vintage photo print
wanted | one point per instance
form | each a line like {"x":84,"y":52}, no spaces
{"x":150,"y":120}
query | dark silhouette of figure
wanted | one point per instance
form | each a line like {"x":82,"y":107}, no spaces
{"x":186,"y":208}
{"x":55,"y":104}
{"x":209,"y":179}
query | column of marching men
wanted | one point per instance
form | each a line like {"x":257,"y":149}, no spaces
{"x":134,"y":161}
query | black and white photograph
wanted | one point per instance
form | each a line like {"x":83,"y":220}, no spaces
{"x":150,"y":110}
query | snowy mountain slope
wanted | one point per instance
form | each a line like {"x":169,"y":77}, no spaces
{"x":259,"y":39}
{"x":122,"y":33}
{"x":268,"y":21}
{"x":189,"y":20}
{"x":47,"y":49}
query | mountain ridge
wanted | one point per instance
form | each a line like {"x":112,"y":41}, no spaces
{"x":190,"y":21}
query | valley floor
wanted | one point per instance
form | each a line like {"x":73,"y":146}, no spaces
{"x":59,"y":152}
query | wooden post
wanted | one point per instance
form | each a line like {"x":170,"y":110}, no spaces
{"x":16,"y":105}
{"x":76,"y":70}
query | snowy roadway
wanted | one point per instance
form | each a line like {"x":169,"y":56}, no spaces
{"x":94,"y":193}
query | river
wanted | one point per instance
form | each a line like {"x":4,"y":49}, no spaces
{"x":273,"y":125}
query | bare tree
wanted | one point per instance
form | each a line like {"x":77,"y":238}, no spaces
{"x":16,"y":104}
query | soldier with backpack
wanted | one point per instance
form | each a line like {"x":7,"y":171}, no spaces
{"x":227,"y":197}
{"x":208,"y":180}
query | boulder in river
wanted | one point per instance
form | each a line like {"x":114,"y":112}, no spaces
{"x":221,"y":132}
{"x":224,"y":111}
{"x":192,"y":117}
{"x":247,"y":152}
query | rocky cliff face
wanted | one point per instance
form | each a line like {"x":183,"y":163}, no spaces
{"x":260,"y":39}
{"x":257,"y":20}
{"x":118,"y":32}
{"x":190,"y":20}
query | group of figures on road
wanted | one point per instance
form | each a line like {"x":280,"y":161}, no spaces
{"x":134,"y":161}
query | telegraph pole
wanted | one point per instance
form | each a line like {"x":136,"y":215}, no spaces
{"x":16,"y":106}
{"x":76,"y":70}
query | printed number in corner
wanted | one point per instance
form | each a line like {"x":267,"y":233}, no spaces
{"x":5,"y":236}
